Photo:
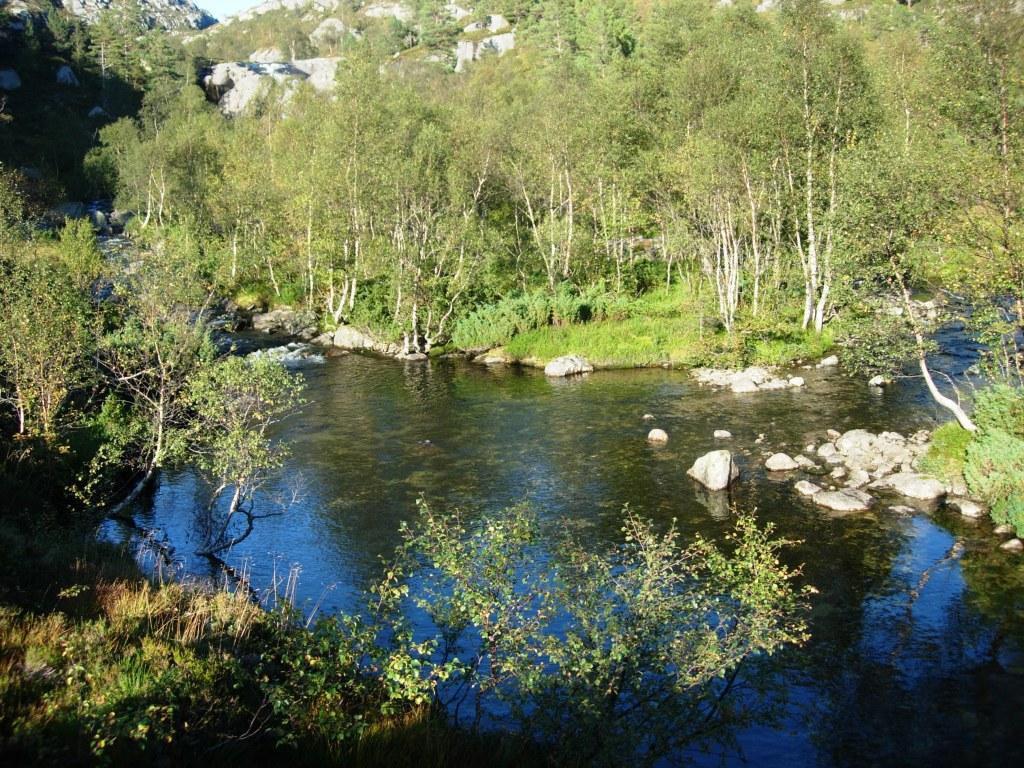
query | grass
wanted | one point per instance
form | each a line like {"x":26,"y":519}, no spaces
{"x":671,"y":327}
{"x":947,"y":453}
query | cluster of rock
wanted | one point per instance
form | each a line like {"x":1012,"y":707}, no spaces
{"x":752,"y":379}
{"x":293,"y":355}
{"x":234,"y":85}
{"x":860,"y":459}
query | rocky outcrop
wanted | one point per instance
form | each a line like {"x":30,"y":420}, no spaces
{"x":568,"y":365}
{"x":467,"y":51}
{"x":715,"y":470}
{"x":163,"y":14}
{"x":235,"y":85}
{"x":752,"y":379}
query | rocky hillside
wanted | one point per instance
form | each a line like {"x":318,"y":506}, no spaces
{"x":286,"y":30}
{"x":165,"y":14}
{"x":281,"y":43}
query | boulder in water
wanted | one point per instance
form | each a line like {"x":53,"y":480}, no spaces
{"x":714,"y":470}
{"x":568,"y":365}
{"x":657,"y":436}
{"x":781,"y":462}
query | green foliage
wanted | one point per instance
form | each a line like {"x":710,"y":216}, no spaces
{"x":599,"y":653}
{"x":994,"y":468}
{"x":45,"y":339}
{"x":947,"y":453}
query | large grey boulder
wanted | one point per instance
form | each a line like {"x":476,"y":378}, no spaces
{"x":912,"y":485}
{"x":568,"y":365}
{"x":348,"y":337}
{"x":714,"y":470}
{"x":848,"y":500}
{"x":9,"y":80}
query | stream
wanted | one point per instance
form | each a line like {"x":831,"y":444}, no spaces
{"x":918,"y":627}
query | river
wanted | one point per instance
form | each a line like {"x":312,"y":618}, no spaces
{"x":916,"y":651}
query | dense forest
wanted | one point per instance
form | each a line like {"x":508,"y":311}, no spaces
{"x":672,"y":183}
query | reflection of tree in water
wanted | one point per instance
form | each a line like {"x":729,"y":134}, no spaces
{"x":919,"y":679}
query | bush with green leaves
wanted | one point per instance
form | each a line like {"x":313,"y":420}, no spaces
{"x":630,"y":651}
{"x":994,"y":467}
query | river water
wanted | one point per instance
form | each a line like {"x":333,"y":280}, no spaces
{"x":916,"y":651}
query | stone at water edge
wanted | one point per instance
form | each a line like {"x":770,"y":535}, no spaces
{"x":829,"y":362}
{"x":743,"y":386}
{"x":912,"y":485}
{"x":714,"y":470}
{"x":848,"y":500}
{"x":833,"y":434}
{"x":568,"y":365}
{"x":1013,"y":545}
{"x":780,"y":462}
{"x":796,"y":381}
{"x":803,"y":462}
{"x":838,"y":473}
{"x":1003,"y":530}
{"x":966,"y":507}
{"x":879,"y":381}
{"x":857,"y":478}
{"x":648,"y":417}
{"x":657,"y":436}
{"x":826,"y":450}
{"x":807,"y":488}
{"x":722,"y":434}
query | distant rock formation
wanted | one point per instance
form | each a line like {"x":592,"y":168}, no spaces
{"x":167,"y":14}
{"x":234,"y":85}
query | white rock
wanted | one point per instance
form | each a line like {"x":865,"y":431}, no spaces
{"x":722,"y":434}
{"x":804,"y":462}
{"x":847,"y":500}
{"x":780,"y":462}
{"x":1003,"y":530}
{"x":966,"y":507}
{"x":838,"y":473}
{"x":796,"y":381}
{"x":912,"y":485}
{"x":806,"y":488}
{"x":568,"y":365}
{"x":826,"y":450}
{"x":657,"y":436}
{"x":879,"y":381}
{"x":714,"y":470}
{"x":648,"y":417}
{"x":833,"y":434}
{"x":858,"y":478}
{"x":348,"y":337}
{"x":829,"y":362}
{"x":1013,"y":545}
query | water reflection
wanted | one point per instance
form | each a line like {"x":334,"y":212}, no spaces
{"x":900,"y":670}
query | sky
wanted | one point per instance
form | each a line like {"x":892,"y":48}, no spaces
{"x":222,"y":8}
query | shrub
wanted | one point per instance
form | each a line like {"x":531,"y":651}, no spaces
{"x":947,"y":452}
{"x":994,"y":470}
